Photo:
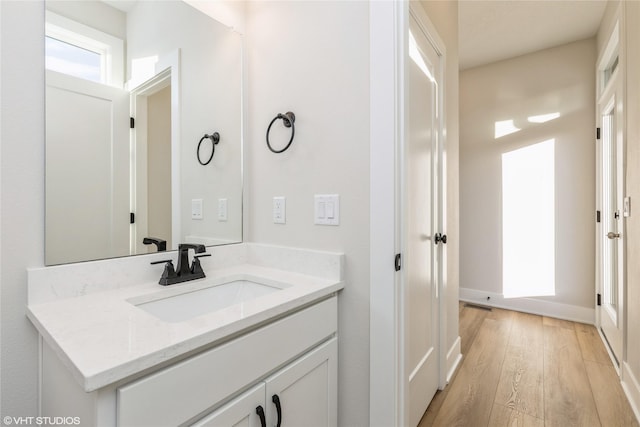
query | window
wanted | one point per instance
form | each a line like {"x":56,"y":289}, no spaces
{"x":73,"y":60}
{"x":81,"y":51}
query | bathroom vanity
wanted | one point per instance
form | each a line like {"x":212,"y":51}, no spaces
{"x":254,"y":343}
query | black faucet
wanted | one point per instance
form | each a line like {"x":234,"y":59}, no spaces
{"x":183,"y":272}
{"x":160,"y":243}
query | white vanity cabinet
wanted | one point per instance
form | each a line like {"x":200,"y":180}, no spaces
{"x":293,"y":356}
{"x":305,"y":389}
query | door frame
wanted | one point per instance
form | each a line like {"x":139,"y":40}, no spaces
{"x":167,"y":73}
{"x":388,"y":105}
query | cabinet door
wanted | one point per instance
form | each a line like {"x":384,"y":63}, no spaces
{"x":240,"y":412}
{"x":306,"y":390}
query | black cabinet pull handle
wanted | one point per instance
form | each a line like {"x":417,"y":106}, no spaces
{"x":260,"y":412}
{"x":276,"y":400}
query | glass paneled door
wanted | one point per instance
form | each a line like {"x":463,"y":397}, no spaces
{"x":610,"y":229}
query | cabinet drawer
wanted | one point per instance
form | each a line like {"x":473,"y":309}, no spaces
{"x":179,"y":392}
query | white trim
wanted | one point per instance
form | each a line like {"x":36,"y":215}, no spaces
{"x":530,"y":305}
{"x":385,"y":25}
{"x":631,"y":389}
{"x":454,"y":358}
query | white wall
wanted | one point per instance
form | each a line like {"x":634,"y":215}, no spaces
{"x":21,"y":197}
{"x":559,"y":80}
{"x":158,"y":163}
{"x":313,"y":58}
{"x":211,"y":78}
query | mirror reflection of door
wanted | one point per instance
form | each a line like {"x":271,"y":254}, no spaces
{"x":159,"y":165}
{"x":153,"y":170}
{"x":87,"y":201}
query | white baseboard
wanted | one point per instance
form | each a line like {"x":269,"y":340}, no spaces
{"x":631,"y":388}
{"x":530,"y":305}
{"x":454,"y":357}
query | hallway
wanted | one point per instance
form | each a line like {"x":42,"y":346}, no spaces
{"x":526,"y":370}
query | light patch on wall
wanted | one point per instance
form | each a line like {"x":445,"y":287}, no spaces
{"x":528,"y":221}
{"x":505,"y":127}
{"x":543,"y":118}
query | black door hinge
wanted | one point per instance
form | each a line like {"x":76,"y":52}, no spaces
{"x":599,"y":300}
{"x":132,"y":218}
{"x":598,"y":133}
{"x":398,"y":262}
{"x":597,"y":216}
{"x":132,"y":122}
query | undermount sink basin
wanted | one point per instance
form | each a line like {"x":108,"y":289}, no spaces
{"x":195,"y":303}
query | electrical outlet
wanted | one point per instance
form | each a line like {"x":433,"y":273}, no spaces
{"x":279,"y":210}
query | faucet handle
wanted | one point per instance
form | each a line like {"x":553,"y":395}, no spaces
{"x":196,"y":268}
{"x":168,"y":273}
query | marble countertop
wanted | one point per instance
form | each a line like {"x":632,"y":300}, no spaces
{"x":103,"y":337}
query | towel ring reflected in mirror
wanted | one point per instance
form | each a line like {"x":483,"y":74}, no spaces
{"x":215,"y":138}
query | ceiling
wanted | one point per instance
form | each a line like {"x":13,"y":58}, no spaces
{"x":491,"y":31}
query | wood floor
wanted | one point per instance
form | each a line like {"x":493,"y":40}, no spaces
{"x":526,"y":370}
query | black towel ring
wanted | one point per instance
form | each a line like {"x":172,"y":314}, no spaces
{"x":215,"y":138}
{"x":287,"y":119}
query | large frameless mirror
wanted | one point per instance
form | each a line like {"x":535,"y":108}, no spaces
{"x":135,"y":92}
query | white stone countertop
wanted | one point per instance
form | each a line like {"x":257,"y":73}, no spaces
{"x":103,"y":338}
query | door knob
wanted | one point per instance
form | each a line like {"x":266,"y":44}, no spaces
{"x":440,"y":238}
{"x":613,"y":235}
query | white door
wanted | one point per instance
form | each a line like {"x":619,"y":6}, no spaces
{"x":420,"y":218}
{"x":87,"y":169}
{"x":305,"y":392}
{"x":610,"y":230}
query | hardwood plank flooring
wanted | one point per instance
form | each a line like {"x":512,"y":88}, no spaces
{"x":523,"y":370}
{"x":567,"y":391}
{"x":520,"y":386}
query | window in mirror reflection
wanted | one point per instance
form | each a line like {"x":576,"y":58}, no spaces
{"x":73,"y":60}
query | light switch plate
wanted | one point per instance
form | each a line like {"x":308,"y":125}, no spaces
{"x":326,"y":209}
{"x":626,"y":208}
{"x":222,"y":209}
{"x":196,"y":209}
{"x":279,"y":210}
